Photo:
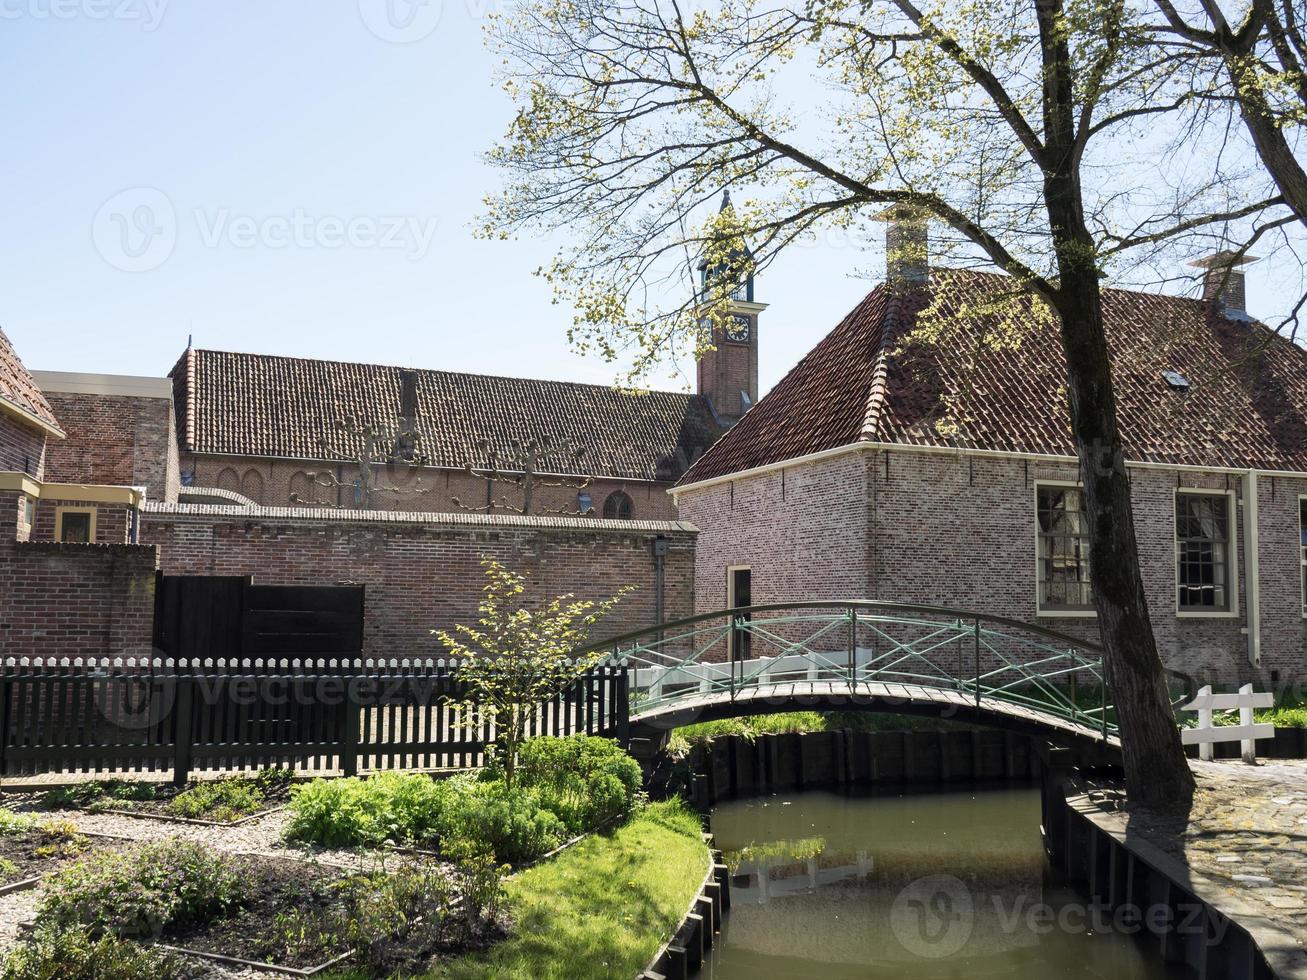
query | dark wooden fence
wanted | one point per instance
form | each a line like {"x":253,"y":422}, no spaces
{"x":319,"y":715}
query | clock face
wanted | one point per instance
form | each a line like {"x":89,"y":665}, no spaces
{"x":737,"y":329}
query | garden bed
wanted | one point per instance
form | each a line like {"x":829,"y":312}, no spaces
{"x":224,"y":802}
{"x":281,"y":915}
{"x":32,"y":848}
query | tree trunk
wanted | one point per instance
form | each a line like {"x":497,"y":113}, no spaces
{"x":1156,"y":770}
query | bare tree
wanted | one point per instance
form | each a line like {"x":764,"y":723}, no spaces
{"x":380,"y":453}
{"x":1027,"y":129}
{"x":524,"y":468}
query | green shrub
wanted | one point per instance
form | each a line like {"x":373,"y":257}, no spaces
{"x":221,"y":800}
{"x":490,"y":818}
{"x":143,"y":891}
{"x":73,"y":954}
{"x":16,"y":823}
{"x":396,"y":807}
{"x":582,"y":779}
{"x":100,"y":794}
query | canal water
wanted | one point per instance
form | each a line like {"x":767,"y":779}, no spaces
{"x":922,"y":886}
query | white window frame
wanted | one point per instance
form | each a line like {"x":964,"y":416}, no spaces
{"x":59,"y":513}
{"x":1231,"y":557}
{"x":1039,"y":608}
{"x":1302,"y":553}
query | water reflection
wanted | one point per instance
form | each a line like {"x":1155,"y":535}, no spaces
{"x":922,"y":885}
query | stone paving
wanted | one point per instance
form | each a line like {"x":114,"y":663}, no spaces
{"x":1247,"y":834}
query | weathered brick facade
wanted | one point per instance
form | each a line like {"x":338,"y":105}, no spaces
{"x":120,"y":432}
{"x":959,"y":530}
{"x":113,"y":522}
{"x":61,"y":600}
{"x":271,"y":482}
{"x":423,"y":572}
{"x":22,"y":447}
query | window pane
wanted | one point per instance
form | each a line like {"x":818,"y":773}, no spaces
{"x":1063,"y":556}
{"x":1202,"y":523}
{"x":76,"y":528}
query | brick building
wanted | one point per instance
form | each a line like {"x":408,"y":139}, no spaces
{"x":922,"y":453}
{"x":91,"y":507}
{"x":282,"y":431}
{"x":73,"y":582}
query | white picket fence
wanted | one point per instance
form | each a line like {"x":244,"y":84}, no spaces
{"x":1246,"y":732}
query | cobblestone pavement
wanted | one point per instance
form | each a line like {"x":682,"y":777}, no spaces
{"x":1247,"y":833}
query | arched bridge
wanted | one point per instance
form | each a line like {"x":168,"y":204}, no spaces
{"x":863,"y":654}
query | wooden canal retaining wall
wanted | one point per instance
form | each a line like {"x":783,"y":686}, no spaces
{"x":682,"y":956}
{"x":1194,"y":922}
{"x":732,"y":766}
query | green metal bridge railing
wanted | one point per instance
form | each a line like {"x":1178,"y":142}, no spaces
{"x":851,"y":645}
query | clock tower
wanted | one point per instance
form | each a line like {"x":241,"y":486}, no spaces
{"x":728,"y":373}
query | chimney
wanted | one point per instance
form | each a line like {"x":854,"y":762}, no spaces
{"x":1223,"y":282}
{"x":907,"y":245}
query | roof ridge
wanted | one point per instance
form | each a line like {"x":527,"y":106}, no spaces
{"x":689,"y":395}
{"x":878,"y":390}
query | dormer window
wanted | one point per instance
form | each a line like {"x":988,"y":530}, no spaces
{"x":1175,"y":380}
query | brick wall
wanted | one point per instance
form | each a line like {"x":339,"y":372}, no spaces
{"x":959,"y":531}
{"x":802,"y":530}
{"x":272,"y":481}
{"x":72,"y":600}
{"x":22,"y":447}
{"x":115,"y":440}
{"x":423,"y":573}
{"x":112,"y":521}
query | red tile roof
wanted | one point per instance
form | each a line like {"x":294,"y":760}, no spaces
{"x":865,"y":382}
{"x":262,"y":405}
{"x":18,"y":390}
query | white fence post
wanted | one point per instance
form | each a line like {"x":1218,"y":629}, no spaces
{"x":1247,"y":746}
{"x":1245,"y":733}
{"x":1206,"y":750}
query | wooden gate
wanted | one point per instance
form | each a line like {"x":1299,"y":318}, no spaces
{"x":208,"y":617}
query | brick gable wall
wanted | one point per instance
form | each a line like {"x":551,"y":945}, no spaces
{"x":115,"y":440}
{"x":422,"y":573}
{"x":959,"y":531}
{"x":22,"y":447}
{"x":802,"y":530}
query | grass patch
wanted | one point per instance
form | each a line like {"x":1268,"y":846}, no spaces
{"x":751,"y":726}
{"x":600,"y":909}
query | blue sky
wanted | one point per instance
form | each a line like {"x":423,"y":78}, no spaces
{"x":308,"y":172}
